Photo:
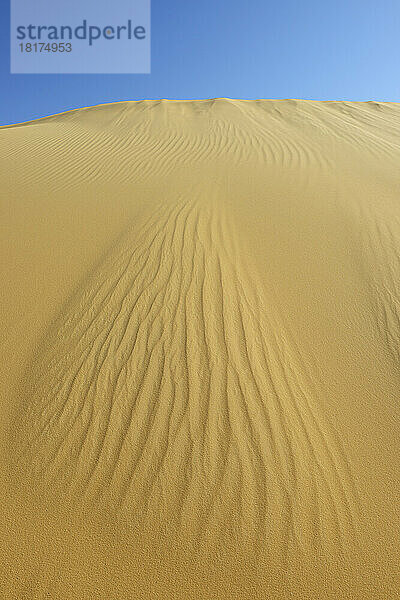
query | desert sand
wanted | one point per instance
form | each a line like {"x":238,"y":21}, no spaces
{"x":200,"y":374}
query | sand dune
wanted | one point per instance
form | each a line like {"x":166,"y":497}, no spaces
{"x":201,"y":350}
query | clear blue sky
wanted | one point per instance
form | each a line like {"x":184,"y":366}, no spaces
{"x":314,"y":49}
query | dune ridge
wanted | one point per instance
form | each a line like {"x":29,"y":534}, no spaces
{"x":220,"y":360}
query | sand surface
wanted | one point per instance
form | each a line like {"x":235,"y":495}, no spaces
{"x":200,"y":342}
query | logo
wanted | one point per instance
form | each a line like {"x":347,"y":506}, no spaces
{"x":89,"y":36}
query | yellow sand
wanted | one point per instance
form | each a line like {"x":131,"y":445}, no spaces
{"x":200,"y":375}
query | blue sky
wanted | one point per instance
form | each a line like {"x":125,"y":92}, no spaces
{"x":313,"y":49}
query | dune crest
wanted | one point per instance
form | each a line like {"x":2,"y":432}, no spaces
{"x":222,"y":355}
